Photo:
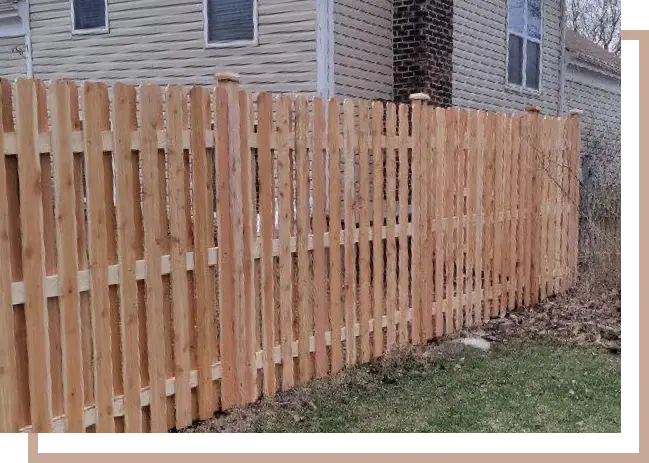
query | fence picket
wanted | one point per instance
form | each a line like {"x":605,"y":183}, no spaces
{"x":450,"y":181}
{"x":460,"y":221}
{"x":378,"y":267}
{"x":498,"y":214}
{"x":428,"y":212}
{"x":364,"y":237}
{"x":304,"y":277}
{"x":514,"y":194}
{"x":319,"y":227}
{"x":391,"y":248}
{"x":285,"y":231}
{"x":8,"y":371}
{"x":403,"y":223}
{"x":95,"y":94}
{"x":439,"y":204}
{"x":414,"y":269}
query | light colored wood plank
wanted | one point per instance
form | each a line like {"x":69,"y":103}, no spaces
{"x":267,"y":214}
{"x":450,"y":180}
{"x":488,"y":247}
{"x":440,"y":201}
{"x":94,"y":122}
{"x":178,"y":205}
{"x":249,"y":315}
{"x":403,"y":221}
{"x":544,"y":175}
{"x":536,"y":189}
{"x":206,"y":333}
{"x":499,"y":177}
{"x":514,"y":193}
{"x":335,"y":272}
{"x":415,"y":271}
{"x":426,"y":197}
{"x":479,"y":304}
{"x":285,"y":230}
{"x":8,"y":367}
{"x":391,"y":221}
{"x":528,"y":123}
{"x":151,"y":175}
{"x":69,"y":299}
{"x":349,"y":148}
{"x":460,"y":218}
{"x":557,"y":138}
{"x":319,"y":228}
{"x":123,"y":121}
{"x":565,"y":201}
{"x":378,"y":293}
{"x":364,"y":257}
{"x":471,"y":187}
{"x":304,"y":276}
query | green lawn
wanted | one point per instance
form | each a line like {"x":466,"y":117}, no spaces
{"x":517,"y":388}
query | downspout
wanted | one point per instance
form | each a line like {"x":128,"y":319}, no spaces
{"x":562,"y":64}
{"x":324,"y":48}
{"x":24,"y":17}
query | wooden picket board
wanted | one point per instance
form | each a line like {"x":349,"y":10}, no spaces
{"x":479,"y":307}
{"x":124,"y":124}
{"x":536,"y":190}
{"x":565,"y":202}
{"x":498,"y":208}
{"x":69,"y":299}
{"x":249,"y":315}
{"x":378,"y":267}
{"x":206,"y":332}
{"x":8,"y":368}
{"x":178,"y":205}
{"x":403,"y":274}
{"x":450,"y":181}
{"x":460,"y":219}
{"x":414,"y":269}
{"x":364,"y":257}
{"x":426,"y":216}
{"x":150,"y":107}
{"x":514,"y":224}
{"x":390,"y":218}
{"x":438,"y":204}
{"x":543,"y":206}
{"x":94,"y":122}
{"x":557,"y":137}
{"x":349,"y":202}
{"x":471,"y":187}
{"x":304,"y":277}
{"x":285,"y":231}
{"x":319,"y":227}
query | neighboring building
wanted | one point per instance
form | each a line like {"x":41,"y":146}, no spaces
{"x":593,"y":86}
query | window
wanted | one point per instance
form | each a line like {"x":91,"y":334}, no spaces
{"x":89,"y":16}
{"x":524,"y":43}
{"x":230,"y":22}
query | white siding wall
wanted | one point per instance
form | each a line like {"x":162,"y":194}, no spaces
{"x":598,"y":96}
{"x":480,"y":57}
{"x":12,"y":65}
{"x":363,"y":48}
{"x":162,"y":40}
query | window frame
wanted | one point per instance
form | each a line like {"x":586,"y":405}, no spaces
{"x":94,"y":30}
{"x":232,"y":43}
{"x":525,"y":37}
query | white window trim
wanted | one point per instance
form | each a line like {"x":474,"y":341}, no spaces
{"x":523,"y":88}
{"x":233,"y":43}
{"x":96,"y":30}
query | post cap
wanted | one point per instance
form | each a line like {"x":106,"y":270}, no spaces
{"x":226,"y":76}
{"x":533,"y":109}
{"x":420,"y":96}
{"x":576,"y":112}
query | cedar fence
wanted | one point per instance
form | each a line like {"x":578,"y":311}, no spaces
{"x":168,"y":253}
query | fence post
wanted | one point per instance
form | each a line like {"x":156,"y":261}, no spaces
{"x":418,"y":221}
{"x":535,"y":219}
{"x":230,"y":83}
{"x":575,"y":178}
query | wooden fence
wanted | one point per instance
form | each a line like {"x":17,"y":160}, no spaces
{"x":169,"y":253}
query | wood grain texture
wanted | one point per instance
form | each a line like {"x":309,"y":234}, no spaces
{"x":378,"y":293}
{"x":391,"y":222}
{"x":364,"y":258}
{"x":404,"y":296}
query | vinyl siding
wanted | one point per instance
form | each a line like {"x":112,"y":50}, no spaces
{"x":162,"y":41}
{"x":363,"y":48}
{"x":480,"y":58}
{"x":12,"y":65}
{"x":598,"y":96}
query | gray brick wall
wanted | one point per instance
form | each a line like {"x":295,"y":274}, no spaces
{"x":423,"y":49}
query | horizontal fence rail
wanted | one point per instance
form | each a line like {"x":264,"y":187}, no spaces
{"x":170,"y":252}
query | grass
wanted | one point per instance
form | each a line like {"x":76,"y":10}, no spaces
{"x":539,"y":387}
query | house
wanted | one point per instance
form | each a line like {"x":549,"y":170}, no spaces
{"x":593,"y":85}
{"x":486,"y":54}
{"x":497,"y":54}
